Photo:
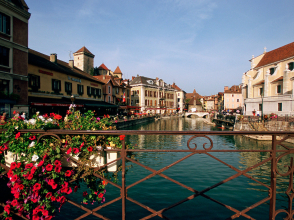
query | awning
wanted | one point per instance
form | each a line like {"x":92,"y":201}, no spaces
{"x":54,"y":104}
{"x":137,"y":107}
{"x":101,"y":105}
{"x":123,"y":107}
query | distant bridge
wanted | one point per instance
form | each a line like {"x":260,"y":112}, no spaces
{"x":199,"y":114}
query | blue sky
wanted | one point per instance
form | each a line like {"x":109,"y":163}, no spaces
{"x":198,"y":44}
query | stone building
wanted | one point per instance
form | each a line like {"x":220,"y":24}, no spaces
{"x":84,"y":59}
{"x":268,"y":86}
{"x":14,"y":18}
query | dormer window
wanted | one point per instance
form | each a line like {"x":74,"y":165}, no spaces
{"x":272,"y":70}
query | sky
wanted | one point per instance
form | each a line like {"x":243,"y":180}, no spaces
{"x":197,"y":44}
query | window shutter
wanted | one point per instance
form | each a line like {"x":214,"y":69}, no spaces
{"x":52,"y":84}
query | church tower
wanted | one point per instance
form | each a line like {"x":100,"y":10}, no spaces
{"x":84,"y":59}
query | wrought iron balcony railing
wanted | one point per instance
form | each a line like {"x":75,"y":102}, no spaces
{"x":275,"y":155}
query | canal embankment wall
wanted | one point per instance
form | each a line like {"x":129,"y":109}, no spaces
{"x":131,"y":122}
{"x":268,"y":125}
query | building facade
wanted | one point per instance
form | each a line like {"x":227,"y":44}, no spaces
{"x":180,"y":98}
{"x":153,"y":95}
{"x":233,"y":99}
{"x":14,"y":18}
{"x":54,"y":85}
{"x":268,"y":85}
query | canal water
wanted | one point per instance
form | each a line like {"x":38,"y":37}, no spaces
{"x":199,"y":172}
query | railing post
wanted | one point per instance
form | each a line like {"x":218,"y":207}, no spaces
{"x":273,"y":179}
{"x":123,"y":181}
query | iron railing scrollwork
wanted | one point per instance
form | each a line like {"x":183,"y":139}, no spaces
{"x":275,"y":155}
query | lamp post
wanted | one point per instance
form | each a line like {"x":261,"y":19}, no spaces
{"x":72,"y":98}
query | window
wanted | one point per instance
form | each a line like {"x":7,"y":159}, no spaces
{"x":145,"y":102}
{"x":154,"y":94}
{"x":4,"y":56}
{"x":291,"y":66}
{"x":261,"y":91}
{"x":138,"y":92}
{"x":178,"y":94}
{"x":280,"y":107}
{"x":150,"y":93}
{"x":4,"y":86}
{"x":128,"y":92}
{"x":155,"y":103}
{"x":68,"y":87}
{"x":109,"y":99}
{"x":150,"y":102}
{"x":94,"y":92}
{"x":99,"y":93}
{"x":179,"y":99}
{"x":34,"y":82}
{"x":232,"y":95}
{"x":80,"y":89}
{"x":272,"y":70}
{"x":56,"y":85}
{"x":108,"y":89}
{"x":4,"y":23}
{"x":146,"y":93}
{"x":238,"y":100}
{"x":260,"y":107}
{"x":232,"y":99}
{"x":117,"y":90}
{"x":279,"y":89}
{"x":89,"y":91}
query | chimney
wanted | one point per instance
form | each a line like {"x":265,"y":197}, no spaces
{"x":157,"y":78}
{"x":71,"y":64}
{"x":53,"y":57}
{"x":226,"y":88}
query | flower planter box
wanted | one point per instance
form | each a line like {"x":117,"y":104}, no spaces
{"x":96,"y":160}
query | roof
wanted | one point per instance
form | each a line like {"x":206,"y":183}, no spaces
{"x":105,"y":79}
{"x":41,"y":60}
{"x":278,"y":54}
{"x":117,"y":70}
{"x":85,"y":50}
{"x":194,"y":94}
{"x":234,"y":89}
{"x":102,"y":67}
{"x":191,"y":102}
{"x":176,"y":87}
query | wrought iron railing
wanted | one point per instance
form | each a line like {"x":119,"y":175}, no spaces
{"x":275,"y":155}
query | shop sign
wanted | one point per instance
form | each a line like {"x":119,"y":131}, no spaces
{"x":54,"y":104}
{"x":45,"y":72}
{"x":74,"y":79}
{"x":94,"y":84}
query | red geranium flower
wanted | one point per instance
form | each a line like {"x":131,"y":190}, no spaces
{"x":18,"y":165}
{"x":53,"y":198}
{"x":104,"y":182}
{"x":52,"y":114}
{"x":30,"y":176}
{"x":41,"y":163}
{"x":14,"y":178}
{"x":61,"y":199}
{"x":68,"y":151}
{"x":57,"y":163}
{"x":48,"y":195}
{"x":82,"y":145}
{"x":33,"y":170}
{"x":37,"y":186}
{"x":57,"y":169}
{"x":90,"y":149}
{"x":21,"y":187}
{"x":76,"y":188}
{"x":28,"y":166}
{"x":7,"y":209}
{"x":10,"y":173}
{"x":76,"y":150}
{"x":54,"y":185}
{"x":8,"y":218}
{"x":122,"y":137}
{"x":17,"y":135}
{"x":45,"y":212}
{"x":34,"y":200}
{"x":14,"y":202}
{"x":100,"y":195}
{"x":12,"y":165}
{"x":32,"y":138}
{"x":49,"y":167}
{"x":68,"y":173}
{"x":85,"y":194}
{"x":58,"y":117}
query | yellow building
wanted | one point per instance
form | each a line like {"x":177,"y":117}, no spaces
{"x":268,"y":85}
{"x":153,"y":95}
{"x":54,"y":85}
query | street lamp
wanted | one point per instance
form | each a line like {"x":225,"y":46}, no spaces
{"x":72,"y":98}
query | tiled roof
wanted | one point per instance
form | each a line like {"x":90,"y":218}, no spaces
{"x":41,"y":60}
{"x":106,"y":78}
{"x":278,"y":54}
{"x":85,"y":50}
{"x":176,"y":87}
{"x":234,"y":89}
{"x":194,"y":94}
{"x":191,"y":102}
{"x":102,"y":67}
{"x":117,"y":70}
